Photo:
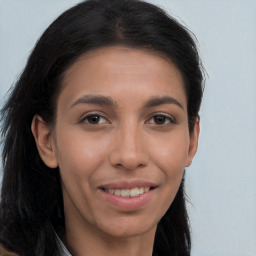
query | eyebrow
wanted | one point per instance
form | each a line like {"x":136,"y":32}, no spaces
{"x":162,"y":100}
{"x":109,"y":102}
{"x":95,"y":100}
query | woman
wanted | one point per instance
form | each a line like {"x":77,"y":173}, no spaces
{"x":98,"y":131}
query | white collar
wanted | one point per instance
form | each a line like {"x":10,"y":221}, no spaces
{"x":62,"y":248}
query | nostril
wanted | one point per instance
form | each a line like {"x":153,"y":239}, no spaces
{"x":129,"y":160}
{"x":130,"y":166}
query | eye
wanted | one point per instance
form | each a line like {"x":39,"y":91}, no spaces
{"x":94,"y":119}
{"x":161,"y":119}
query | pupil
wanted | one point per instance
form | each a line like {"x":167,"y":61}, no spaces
{"x":159,"y":119}
{"x":93,"y":119}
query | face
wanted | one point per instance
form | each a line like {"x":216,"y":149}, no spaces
{"x":121,"y":140}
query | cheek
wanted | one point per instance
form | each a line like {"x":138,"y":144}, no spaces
{"x":78,"y":153}
{"x":169,"y":156}
{"x":171,"y":153}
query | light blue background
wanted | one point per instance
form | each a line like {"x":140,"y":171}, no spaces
{"x":221,"y":181}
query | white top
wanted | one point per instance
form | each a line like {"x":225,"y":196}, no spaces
{"x":62,"y":248}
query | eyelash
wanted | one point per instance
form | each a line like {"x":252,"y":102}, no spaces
{"x":167,"y":117}
{"x":85,"y":118}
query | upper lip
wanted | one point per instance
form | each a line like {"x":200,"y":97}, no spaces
{"x":124,"y":184}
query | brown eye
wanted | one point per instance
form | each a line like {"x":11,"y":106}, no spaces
{"x":160,"y":119}
{"x":94,"y":119}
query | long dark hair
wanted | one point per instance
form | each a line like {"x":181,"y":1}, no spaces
{"x":31,"y":207}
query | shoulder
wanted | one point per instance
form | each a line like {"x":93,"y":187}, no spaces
{"x":4,"y":252}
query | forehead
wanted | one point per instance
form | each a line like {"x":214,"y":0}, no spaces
{"x":118,"y":69}
{"x":116,"y":55}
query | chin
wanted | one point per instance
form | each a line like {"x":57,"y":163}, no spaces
{"x":128,"y":227}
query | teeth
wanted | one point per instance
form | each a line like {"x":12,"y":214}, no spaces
{"x":117,"y":192}
{"x":127,"y":192}
{"x":146,"y":189}
{"x":134,"y":192}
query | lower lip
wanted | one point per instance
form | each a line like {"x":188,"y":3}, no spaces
{"x":128,"y":203}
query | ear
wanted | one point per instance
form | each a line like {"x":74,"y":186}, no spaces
{"x":44,"y":141}
{"x":193,"y":142}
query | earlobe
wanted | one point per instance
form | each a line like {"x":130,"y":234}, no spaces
{"x":194,"y":136}
{"x":44,"y":141}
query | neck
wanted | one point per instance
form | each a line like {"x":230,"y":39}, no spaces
{"x":80,"y":242}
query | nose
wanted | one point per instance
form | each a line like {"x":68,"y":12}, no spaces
{"x":128,"y":151}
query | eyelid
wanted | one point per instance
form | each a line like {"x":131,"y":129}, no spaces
{"x":171,"y":118}
{"x":92,"y":113}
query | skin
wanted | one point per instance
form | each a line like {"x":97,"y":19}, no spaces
{"x":129,"y":141}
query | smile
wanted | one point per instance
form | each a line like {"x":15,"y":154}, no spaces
{"x":133,"y":192}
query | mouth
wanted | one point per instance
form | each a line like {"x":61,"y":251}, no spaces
{"x":128,"y":193}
